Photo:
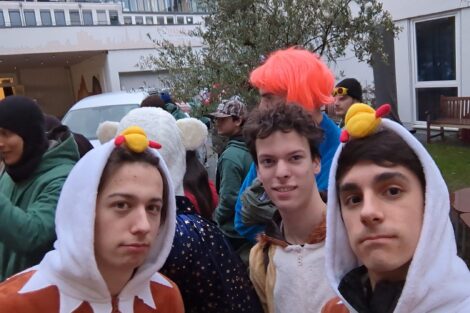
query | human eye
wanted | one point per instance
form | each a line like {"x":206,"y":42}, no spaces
{"x":393,"y":191}
{"x":154,"y":209}
{"x":297,"y":157}
{"x":351,"y":200}
{"x":121,"y":205}
{"x":266,"y":162}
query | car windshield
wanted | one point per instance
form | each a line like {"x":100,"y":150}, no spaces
{"x":86,"y":121}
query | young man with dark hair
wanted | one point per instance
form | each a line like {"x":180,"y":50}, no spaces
{"x":390,"y":245}
{"x":287,"y":264}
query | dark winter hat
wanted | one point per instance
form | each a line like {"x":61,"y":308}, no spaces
{"x":352,"y":88}
{"x":22,"y":116}
{"x":166,"y":97}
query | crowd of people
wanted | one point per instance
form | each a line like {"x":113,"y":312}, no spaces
{"x":304,"y":215}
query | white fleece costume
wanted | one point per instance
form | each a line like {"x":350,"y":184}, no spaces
{"x":438,"y":280}
{"x":72,"y":267}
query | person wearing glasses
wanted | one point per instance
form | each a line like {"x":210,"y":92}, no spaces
{"x":349,"y":91}
{"x":346,"y":93}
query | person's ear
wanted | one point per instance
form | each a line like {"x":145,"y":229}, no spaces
{"x":238,"y":121}
{"x":316,"y":165}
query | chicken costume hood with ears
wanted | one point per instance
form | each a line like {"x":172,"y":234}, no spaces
{"x":437,"y":279}
{"x":175,"y":136}
{"x":72,"y":265}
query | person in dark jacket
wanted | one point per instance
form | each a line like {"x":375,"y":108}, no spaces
{"x":54,"y":125}
{"x":35,"y":170}
{"x":232,"y":167}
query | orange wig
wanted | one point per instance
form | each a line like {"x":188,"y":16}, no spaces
{"x":297,"y":74}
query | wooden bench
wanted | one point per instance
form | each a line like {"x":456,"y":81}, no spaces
{"x":453,"y":112}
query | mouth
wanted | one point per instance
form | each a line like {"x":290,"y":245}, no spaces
{"x":376,"y":238}
{"x":137,"y":248}
{"x":284,"y":188}
{"x":136,"y":244}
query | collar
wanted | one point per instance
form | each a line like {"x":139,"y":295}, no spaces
{"x":355,"y":287}
{"x":274,"y":233}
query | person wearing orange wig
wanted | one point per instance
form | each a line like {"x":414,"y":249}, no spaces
{"x":292,"y":75}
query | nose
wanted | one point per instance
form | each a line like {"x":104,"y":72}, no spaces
{"x":141,"y":224}
{"x":371,"y":212}
{"x":282,"y":169}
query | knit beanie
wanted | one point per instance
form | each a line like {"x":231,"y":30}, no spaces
{"x":22,"y":116}
{"x":353,"y":86}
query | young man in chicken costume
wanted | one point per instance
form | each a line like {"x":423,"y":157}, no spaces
{"x":390,"y":245}
{"x":115,"y":224}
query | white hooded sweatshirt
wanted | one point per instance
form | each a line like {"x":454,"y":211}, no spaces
{"x":438,"y":280}
{"x":72,"y":267}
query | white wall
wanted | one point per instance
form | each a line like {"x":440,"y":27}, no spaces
{"x":93,"y":66}
{"x":404,"y":9}
{"x":465,"y":52}
{"x":403,"y":71}
{"x":51,"y":87}
{"x":90,"y":38}
{"x":349,"y":66}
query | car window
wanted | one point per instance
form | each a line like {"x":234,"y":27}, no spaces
{"x":86,"y":121}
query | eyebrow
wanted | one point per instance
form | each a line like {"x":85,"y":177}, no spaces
{"x":131,"y":197}
{"x":377,"y":179}
{"x":264,"y":155}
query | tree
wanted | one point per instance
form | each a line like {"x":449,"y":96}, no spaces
{"x":238,"y":34}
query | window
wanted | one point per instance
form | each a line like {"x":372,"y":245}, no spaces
{"x":113,"y":17}
{"x":59,"y":17}
{"x":189,"y":19}
{"x":87,"y":17}
{"x":160,"y":20}
{"x":435,"y":45}
{"x":15,"y":18}
{"x":126,"y":5}
{"x":46,"y":19}
{"x":102,"y":20}
{"x":139,"y":20}
{"x":140,"y":5}
{"x":30,"y":18}
{"x":428,"y":99}
{"x":170,"y":20}
{"x":127,"y":20}
{"x":2,"y":19}
{"x":149,"y":20}
{"x":74,"y":17}
{"x":180,"y":19}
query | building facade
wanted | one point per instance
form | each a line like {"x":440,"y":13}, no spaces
{"x":430,"y":54}
{"x":60,"y":51}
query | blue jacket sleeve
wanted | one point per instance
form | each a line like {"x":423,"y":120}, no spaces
{"x":327,"y":150}
{"x":248,"y":232}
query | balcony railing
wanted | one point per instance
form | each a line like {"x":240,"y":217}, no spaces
{"x":83,"y":13}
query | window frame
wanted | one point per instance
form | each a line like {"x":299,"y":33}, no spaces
{"x":75,"y":14}
{"x":414,"y":61}
{"x":61,"y":12}
{"x":16,"y":11}
{"x":88,"y":13}
{"x":45,"y":11}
